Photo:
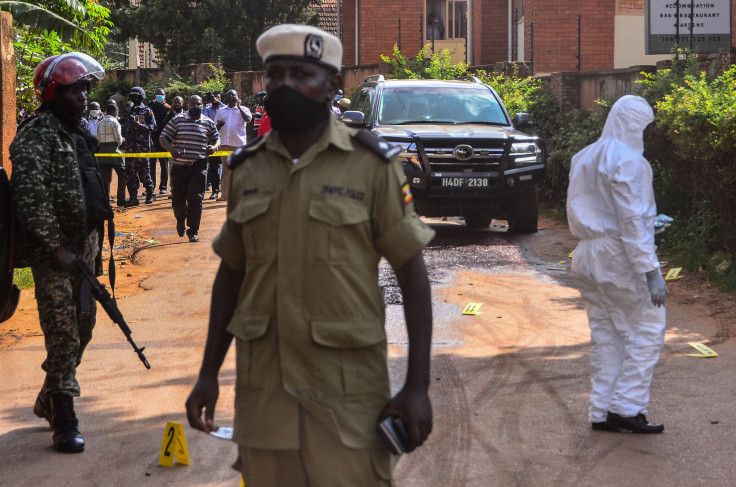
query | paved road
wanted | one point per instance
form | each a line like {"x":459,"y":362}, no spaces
{"x":509,"y":386}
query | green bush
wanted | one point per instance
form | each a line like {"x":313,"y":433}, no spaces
{"x":104,"y":90}
{"x":23,"y":278}
{"x":172,"y":84}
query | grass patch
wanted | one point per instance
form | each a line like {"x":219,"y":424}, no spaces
{"x":23,"y":278}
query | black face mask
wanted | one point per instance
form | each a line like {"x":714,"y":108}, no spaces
{"x":291,"y":112}
{"x":178,"y":110}
{"x":194,"y":113}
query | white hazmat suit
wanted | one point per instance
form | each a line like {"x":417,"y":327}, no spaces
{"x":611,"y":209}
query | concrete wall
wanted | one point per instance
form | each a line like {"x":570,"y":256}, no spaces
{"x":629,"y":46}
{"x":7,"y":88}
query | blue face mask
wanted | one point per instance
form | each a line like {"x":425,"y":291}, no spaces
{"x":160,"y":98}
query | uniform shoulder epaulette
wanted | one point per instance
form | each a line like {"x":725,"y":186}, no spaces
{"x":376,"y":144}
{"x":243,"y":153}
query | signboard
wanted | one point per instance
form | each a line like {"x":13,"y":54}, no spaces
{"x":703,"y":25}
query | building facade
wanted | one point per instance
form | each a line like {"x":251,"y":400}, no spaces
{"x":545,"y":34}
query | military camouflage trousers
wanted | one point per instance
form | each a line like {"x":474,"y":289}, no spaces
{"x":66,"y":329}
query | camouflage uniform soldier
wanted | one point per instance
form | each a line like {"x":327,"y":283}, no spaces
{"x":60,"y":202}
{"x":138,"y":125}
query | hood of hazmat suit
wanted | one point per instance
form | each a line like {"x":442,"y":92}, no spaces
{"x":610,"y":196}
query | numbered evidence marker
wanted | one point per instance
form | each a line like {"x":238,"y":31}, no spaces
{"x":705,"y":352}
{"x":173,"y":445}
{"x":673,"y":274}
{"x":472,"y":309}
{"x":571,"y":254}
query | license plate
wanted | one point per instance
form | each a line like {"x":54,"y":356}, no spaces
{"x":464,"y":182}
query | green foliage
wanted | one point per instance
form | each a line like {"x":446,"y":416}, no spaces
{"x":172,"y":84}
{"x":43,"y":29}
{"x":201,"y":31}
{"x":437,"y":66}
{"x":572,"y":132}
{"x":23,"y":278}
{"x":104,"y":90}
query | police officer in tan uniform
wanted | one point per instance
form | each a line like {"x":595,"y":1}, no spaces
{"x":313,"y":207}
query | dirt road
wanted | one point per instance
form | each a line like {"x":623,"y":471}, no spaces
{"x":509,"y":386}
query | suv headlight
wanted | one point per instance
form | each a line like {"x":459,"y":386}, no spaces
{"x":526,"y":153}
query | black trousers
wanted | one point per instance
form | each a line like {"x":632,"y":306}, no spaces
{"x":188,"y":185}
{"x":164,"y":163}
{"x":107,"y":176}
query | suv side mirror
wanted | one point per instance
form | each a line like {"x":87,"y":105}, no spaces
{"x":354,"y":118}
{"x":522,"y":121}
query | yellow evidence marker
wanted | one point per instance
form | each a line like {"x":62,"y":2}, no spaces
{"x":173,"y":445}
{"x":673,"y":274}
{"x":705,"y":352}
{"x":571,"y":254}
{"x":472,"y":309}
{"x":560,"y":266}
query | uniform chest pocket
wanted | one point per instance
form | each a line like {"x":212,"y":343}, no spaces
{"x":340,"y":230}
{"x":258,"y":227}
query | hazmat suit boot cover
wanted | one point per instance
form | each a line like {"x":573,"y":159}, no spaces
{"x":611,"y":209}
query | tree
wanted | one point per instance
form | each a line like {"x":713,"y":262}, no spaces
{"x":49,"y":27}
{"x":36,"y":18}
{"x":207,"y":31}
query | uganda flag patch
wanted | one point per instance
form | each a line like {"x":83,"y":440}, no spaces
{"x":408,"y":198}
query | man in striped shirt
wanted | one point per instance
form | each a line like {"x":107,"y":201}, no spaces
{"x":189,"y":139}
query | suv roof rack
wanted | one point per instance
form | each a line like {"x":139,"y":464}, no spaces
{"x":375,"y":77}
{"x":474,"y":79}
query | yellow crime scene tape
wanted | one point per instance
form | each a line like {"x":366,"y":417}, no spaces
{"x":155,"y":154}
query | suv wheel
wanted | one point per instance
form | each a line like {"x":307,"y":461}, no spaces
{"x":478,"y":220}
{"x":524,"y":212}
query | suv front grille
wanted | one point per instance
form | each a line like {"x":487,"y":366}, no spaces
{"x":486,"y":156}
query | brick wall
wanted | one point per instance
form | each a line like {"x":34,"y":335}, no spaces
{"x":379,"y":28}
{"x":490,"y":37}
{"x":555,"y":34}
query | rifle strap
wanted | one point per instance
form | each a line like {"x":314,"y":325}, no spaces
{"x":111,"y":263}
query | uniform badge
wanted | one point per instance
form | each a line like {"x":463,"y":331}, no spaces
{"x":408,"y":198}
{"x":313,"y":46}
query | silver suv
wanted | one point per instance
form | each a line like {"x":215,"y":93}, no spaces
{"x":461,"y":152}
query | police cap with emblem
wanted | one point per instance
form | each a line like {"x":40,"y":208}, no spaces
{"x":301,"y":42}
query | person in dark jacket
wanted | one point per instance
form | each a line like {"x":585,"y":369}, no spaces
{"x":60,"y":205}
{"x":138,"y":125}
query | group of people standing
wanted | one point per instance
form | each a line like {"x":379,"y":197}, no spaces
{"x":140,"y":129}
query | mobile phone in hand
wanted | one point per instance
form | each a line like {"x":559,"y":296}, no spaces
{"x":395,"y":433}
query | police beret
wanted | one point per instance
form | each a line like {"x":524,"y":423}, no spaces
{"x":137,"y":90}
{"x":302,"y":42}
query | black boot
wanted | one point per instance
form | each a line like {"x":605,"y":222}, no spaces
{"x":132,"y":201}
{"x":42,"y":408}
{"x":150,"y":197}
{"x":67,"y":438}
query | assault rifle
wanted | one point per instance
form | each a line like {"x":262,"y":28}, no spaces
{"x":108,"y":303}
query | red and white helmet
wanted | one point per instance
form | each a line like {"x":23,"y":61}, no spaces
{"x":64,"y":69}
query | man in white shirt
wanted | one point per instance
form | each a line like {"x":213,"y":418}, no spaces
{"x":95,"y":115}
{"x":110,"y":137}
{"x":231,"y":121}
